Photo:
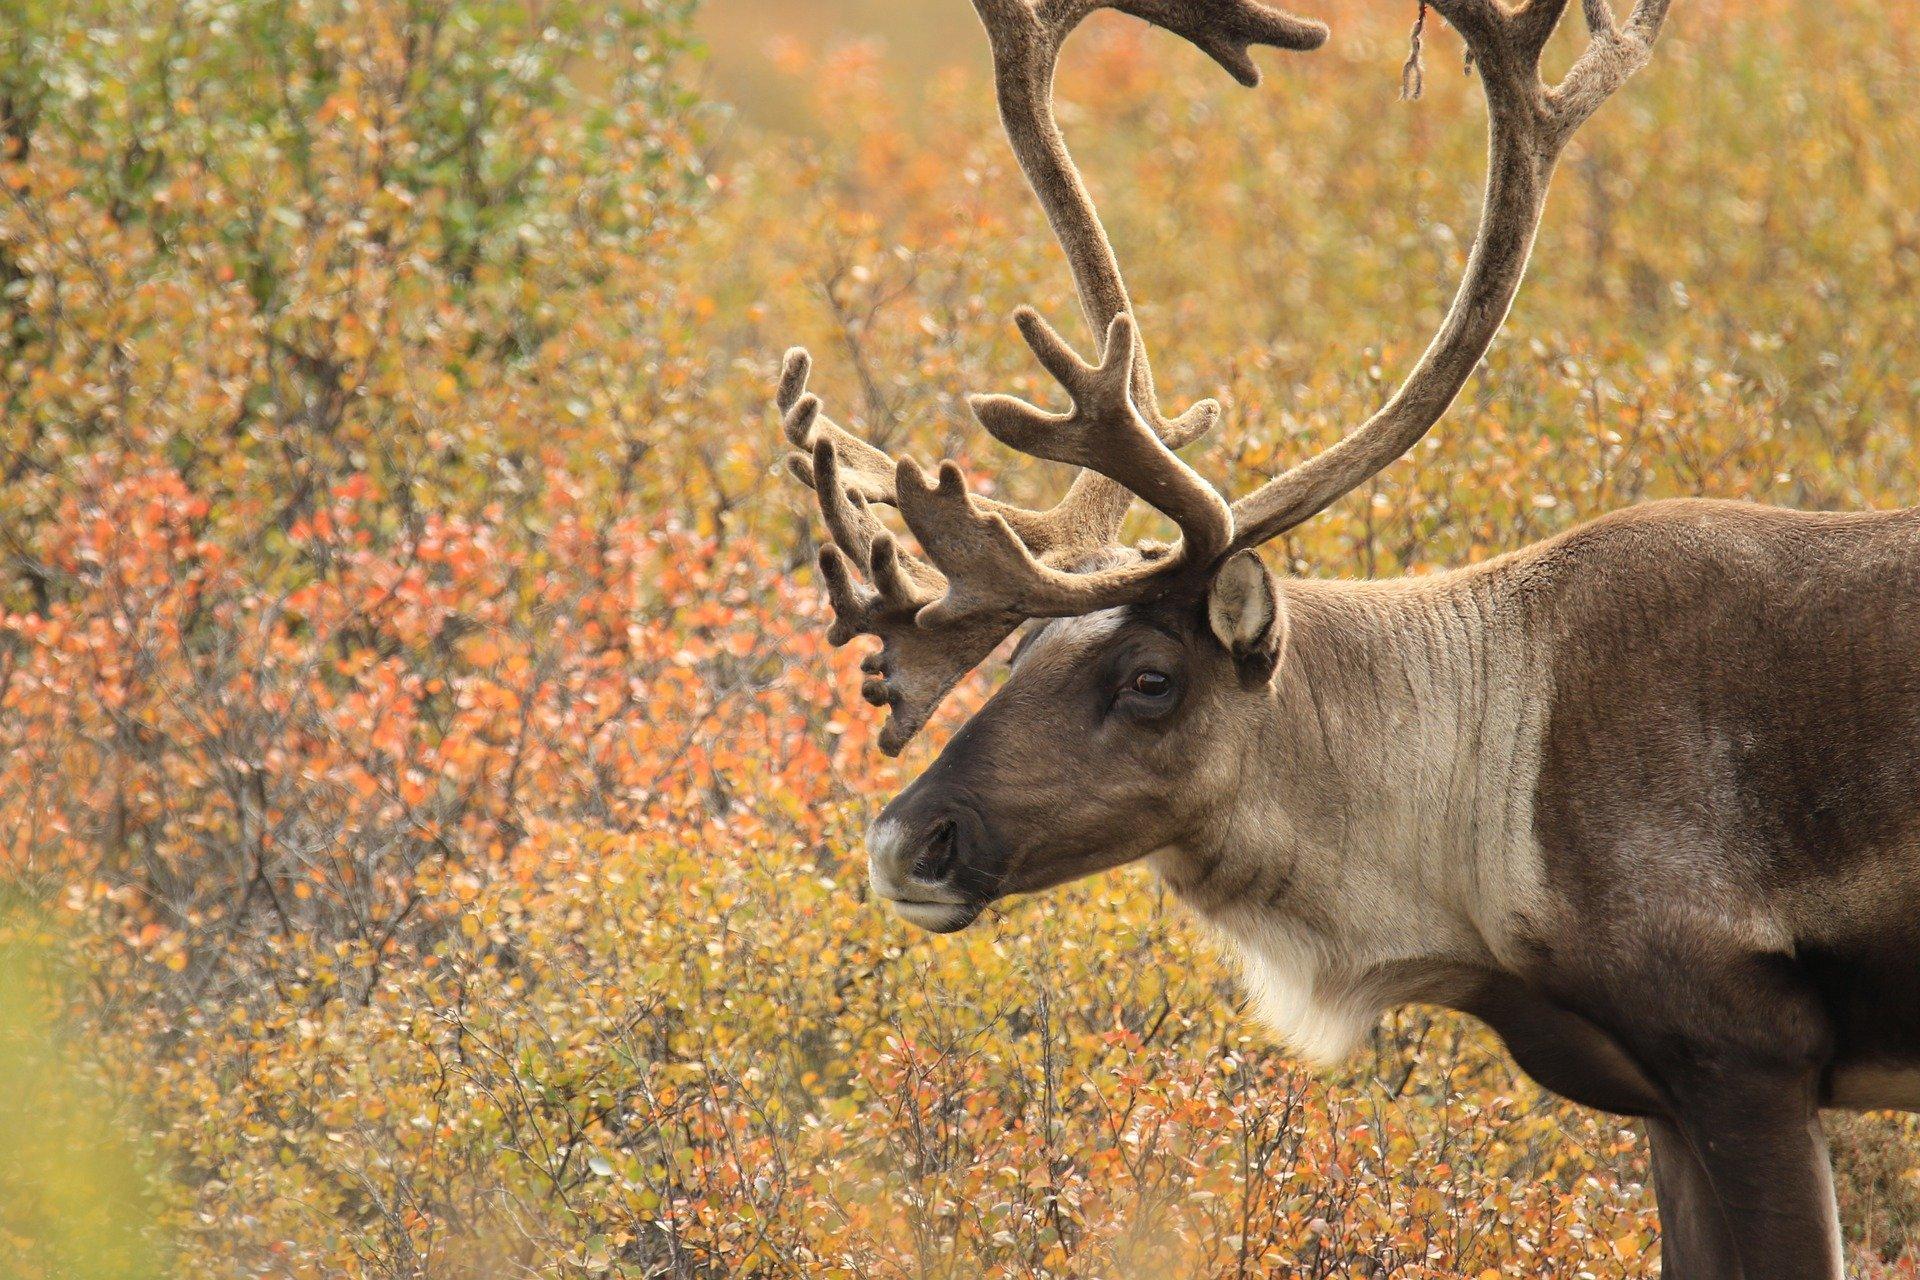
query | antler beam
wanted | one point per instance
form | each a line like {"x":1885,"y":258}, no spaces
{"x":1529,"y":124}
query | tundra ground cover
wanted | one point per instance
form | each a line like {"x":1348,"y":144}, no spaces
{"x":430,"y":818}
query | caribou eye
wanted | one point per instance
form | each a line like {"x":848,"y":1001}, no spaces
{"x":1151,"y":684}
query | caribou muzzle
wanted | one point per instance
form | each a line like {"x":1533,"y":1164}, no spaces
{"x":933,"y":862}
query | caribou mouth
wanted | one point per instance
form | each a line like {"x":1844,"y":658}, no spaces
{"x":935,"y":917}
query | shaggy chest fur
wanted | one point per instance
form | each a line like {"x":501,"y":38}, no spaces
{"x":1386,"y":845}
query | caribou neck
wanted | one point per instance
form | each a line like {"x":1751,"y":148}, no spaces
{"x":1379,"y":843}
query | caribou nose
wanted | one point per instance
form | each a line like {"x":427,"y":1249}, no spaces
{"x":913,"y":865}
{"x":909,"y":861}
{"x":939,"y":853}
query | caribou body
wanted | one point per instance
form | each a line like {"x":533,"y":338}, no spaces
{"x":1645,"y":797}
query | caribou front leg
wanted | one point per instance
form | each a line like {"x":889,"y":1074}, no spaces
{"x":1695,"y":1242}
{"x":1738,"y":1044}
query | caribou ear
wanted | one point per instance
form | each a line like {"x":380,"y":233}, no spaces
{"x":1247,"y":616}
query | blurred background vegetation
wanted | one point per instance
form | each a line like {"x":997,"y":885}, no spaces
{"x":429,"y":816}
{"x":750,"y":47}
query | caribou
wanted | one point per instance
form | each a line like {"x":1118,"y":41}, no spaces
{"x":1644,"y":797}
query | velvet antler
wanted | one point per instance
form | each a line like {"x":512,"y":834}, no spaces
{"x":994,"y":565}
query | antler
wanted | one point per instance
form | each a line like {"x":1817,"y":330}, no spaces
{"x":995,"y":565}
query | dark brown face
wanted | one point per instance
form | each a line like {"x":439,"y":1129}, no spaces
{"x":1115,"y":735}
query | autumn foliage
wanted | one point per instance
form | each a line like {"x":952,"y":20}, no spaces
{"x":429,"y":812}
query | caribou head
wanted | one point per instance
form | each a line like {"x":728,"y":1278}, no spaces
{"x":1147,"y":674}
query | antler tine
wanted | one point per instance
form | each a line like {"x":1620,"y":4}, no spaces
{"x":867,"y":472}
{"x":1224,"y":30}
{"x":1105,"y":432}
{"x":1612,"y":56}
{"x":1529,"y":124}
{"x":917,"y":664}
{"x":858,"y":532}
{"x":989,"y":571}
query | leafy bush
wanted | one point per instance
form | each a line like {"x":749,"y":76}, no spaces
{"x":413,"y":710}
